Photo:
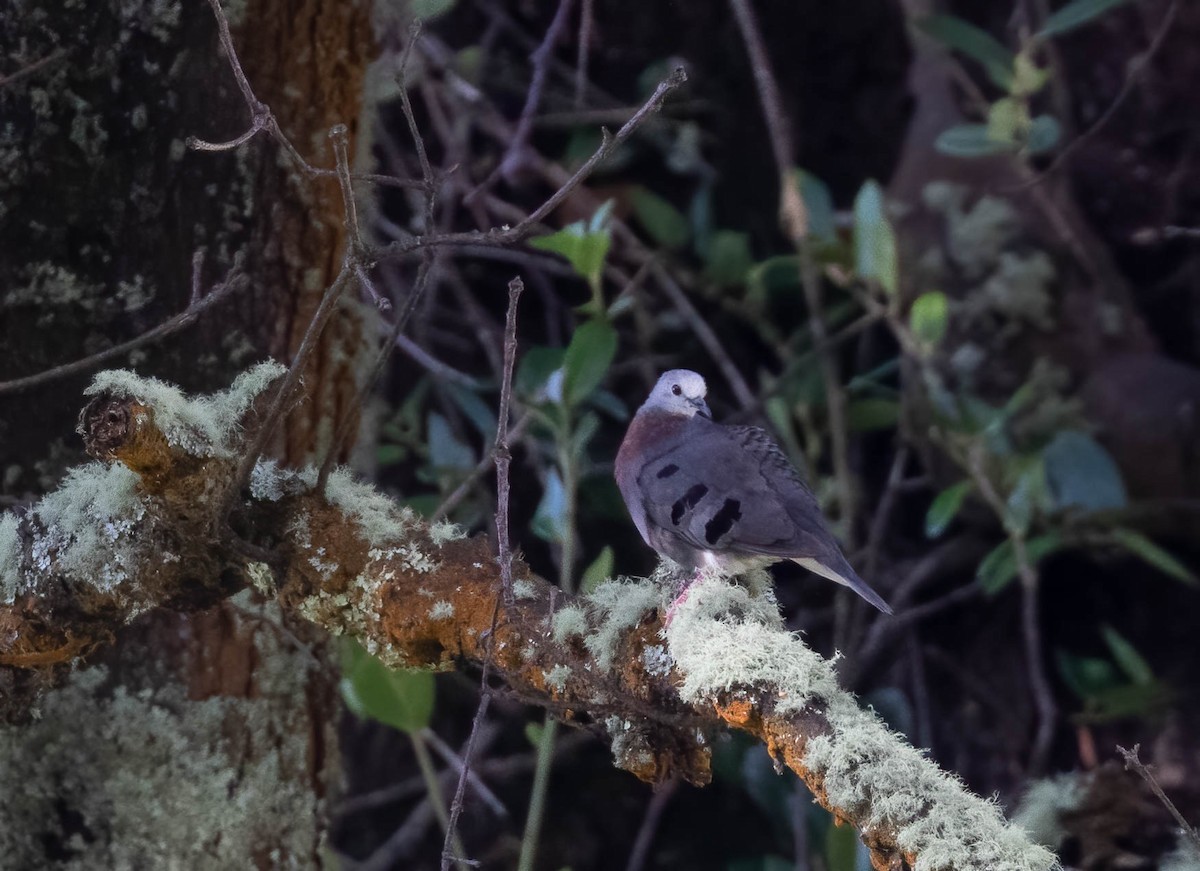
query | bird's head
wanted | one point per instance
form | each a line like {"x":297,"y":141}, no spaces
{"x":680,"y":391}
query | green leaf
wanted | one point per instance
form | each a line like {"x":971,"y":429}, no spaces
{"x":536,"y":366}
{"x":533,"y":733}
{"x":478,"y":412}
{"x":1008,"y":121}
{"x":874,"y":241}
{"x":598,"y":572}
{"x":1075,"y":14}
{"x":841,"y":848}
{"x":1043,"y":134}
{"x":1086,"y":676}
{"x":977,"y":44}
{"x":398,"y":698}
{"x":550,"y":519}
{"x":588,"y":357}
{"x":1131,"y":662}
{"x":929,"y":316}
{"x":999,"y":567}
{"x":969,"y":140}
{"x":819,"y":203}
{"x":1142,"y":547}
{"x":585,"y":246}
{"x":1027,"y":495}
{"x":728,"y":258}
{"x":871,"y":414}
{"x":426,"y":9}
{"x":1081,"y":474}
{"x":665,"y":223}
{"x":945,"y":508}
{"x":1028,"y":77}
{"x":584,"y":431}
{"x":446,"y":452}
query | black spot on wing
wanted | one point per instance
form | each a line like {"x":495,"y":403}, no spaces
{"x":687,"y":502}
{"x":723,"y":520}
{"x":667,"y":471}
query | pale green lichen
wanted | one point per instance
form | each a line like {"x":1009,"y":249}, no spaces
{"x":523,"y":588}
{"x":86,"y":526}
{"x":202,"y":426}
{"x":568,"y":622}
{"x":1184,"y":857}
{"x":381,"y":521}
{"x":1041,"y":808}
{"x":556,"y":677}
{"x":442,"y":531}
{"x":138,"y":775}
{"x":10,"y":557}
{"x":441,"y":610}
{"x":619,"y":605}
{"x":726,"y":640}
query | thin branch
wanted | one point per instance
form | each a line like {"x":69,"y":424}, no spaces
{"x":502,"y":453}
{"x":706,"y":335}
{"x":234,"y":282}
{"x":519,"y":232}
{"x":505,"y":555}
{"x":486,"y":462}
{"x":794,"y":218}
{"x":456,"y":762}
{"x":645,"y":837}
{"x":1133,"y":762}
{"x":32,"y":68}
{"x":339,"y":136}
{"x":1138,"y":65}
{"x":514,"y":154}
{"x":586,"y":20}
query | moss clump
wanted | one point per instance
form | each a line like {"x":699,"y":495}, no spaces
{"x":556,"y":677}
{"x":139,"y":776}
{"x":726,"y":639}
{"x":202,"y":426}
{"x":620,"y":605}
{"x":85,"y":528}
{"x":10,"y":558}
{"x":380,"y":520}
{"x":568,"y":622}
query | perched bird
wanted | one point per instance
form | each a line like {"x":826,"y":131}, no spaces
{"x":706,"y":494}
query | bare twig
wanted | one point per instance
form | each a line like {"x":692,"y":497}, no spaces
{"x":514,"y":154}
{"x":1132,"y":762}
{"x":456,"y":762}
{"x":1031,"y":632}
{"x":586,"y":19}
{"x":502,"y":452}
{"x":1137,"y":67}
{"x":708,"y":338}
{"x":339,"y":136}
{"x":645,"y":836}
{"x":794,"y":218}
{"x":505,"y":556}
{"x":32,"y":68}
{"x":234,"y":282}
{"x":486,"y":462}
{"x":521,"y":231}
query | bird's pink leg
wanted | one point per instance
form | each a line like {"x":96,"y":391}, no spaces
{"x":681,"y":598}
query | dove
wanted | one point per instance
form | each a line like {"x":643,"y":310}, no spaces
{"x":705,"y":494}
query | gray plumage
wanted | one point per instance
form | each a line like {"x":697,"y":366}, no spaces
{"x":705,"y":494}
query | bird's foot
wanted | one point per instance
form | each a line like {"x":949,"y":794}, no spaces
{"x":681,"y":598}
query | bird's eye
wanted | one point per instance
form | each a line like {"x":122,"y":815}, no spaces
{"x":676,"y":389}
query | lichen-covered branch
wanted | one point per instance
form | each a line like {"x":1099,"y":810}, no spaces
{"x":137,"y":530}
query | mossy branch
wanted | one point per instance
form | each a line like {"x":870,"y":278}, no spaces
{"x":135,"y":530}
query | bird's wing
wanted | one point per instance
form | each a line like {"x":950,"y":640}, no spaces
{"x":719,"y":489}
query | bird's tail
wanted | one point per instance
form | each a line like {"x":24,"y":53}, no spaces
{"x":848,"y":579}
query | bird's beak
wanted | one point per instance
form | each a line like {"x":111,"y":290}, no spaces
{"x":701,"y":407}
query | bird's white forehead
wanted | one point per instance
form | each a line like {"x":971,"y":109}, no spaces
{"x":690,"y":383}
